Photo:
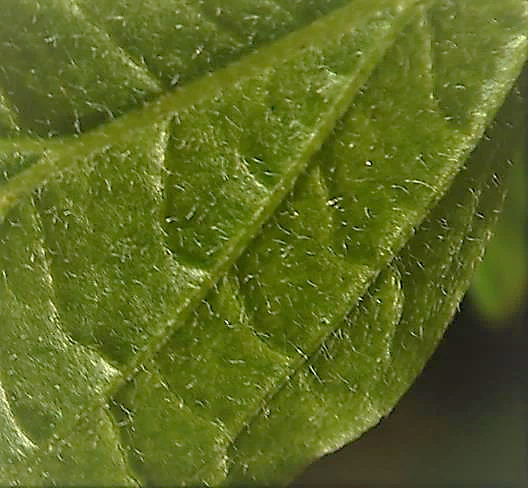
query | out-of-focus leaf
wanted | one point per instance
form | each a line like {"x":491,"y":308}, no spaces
{"x":501,"y":282}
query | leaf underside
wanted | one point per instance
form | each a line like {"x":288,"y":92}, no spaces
{"x":231,"y":236}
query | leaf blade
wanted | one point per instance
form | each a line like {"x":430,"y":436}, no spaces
{"x":272,"y":247}
{"x":415,"y":294}
{"x":205,"y":417}
{"x":72,"y":231}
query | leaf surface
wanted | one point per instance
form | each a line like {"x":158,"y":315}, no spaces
{"x":183,"y":232}
{"x":361,"y":369}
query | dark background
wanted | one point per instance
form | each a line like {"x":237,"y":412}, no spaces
{"x":464,"y":423}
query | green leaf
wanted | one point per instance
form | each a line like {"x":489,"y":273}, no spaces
{"x":361,"y":369}
{"x":218,"y":225}
{"x":501,"y":280}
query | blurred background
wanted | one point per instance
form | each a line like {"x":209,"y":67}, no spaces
{"x":464,"y":423}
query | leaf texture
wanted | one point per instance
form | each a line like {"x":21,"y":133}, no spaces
{"x":218,"y":225}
